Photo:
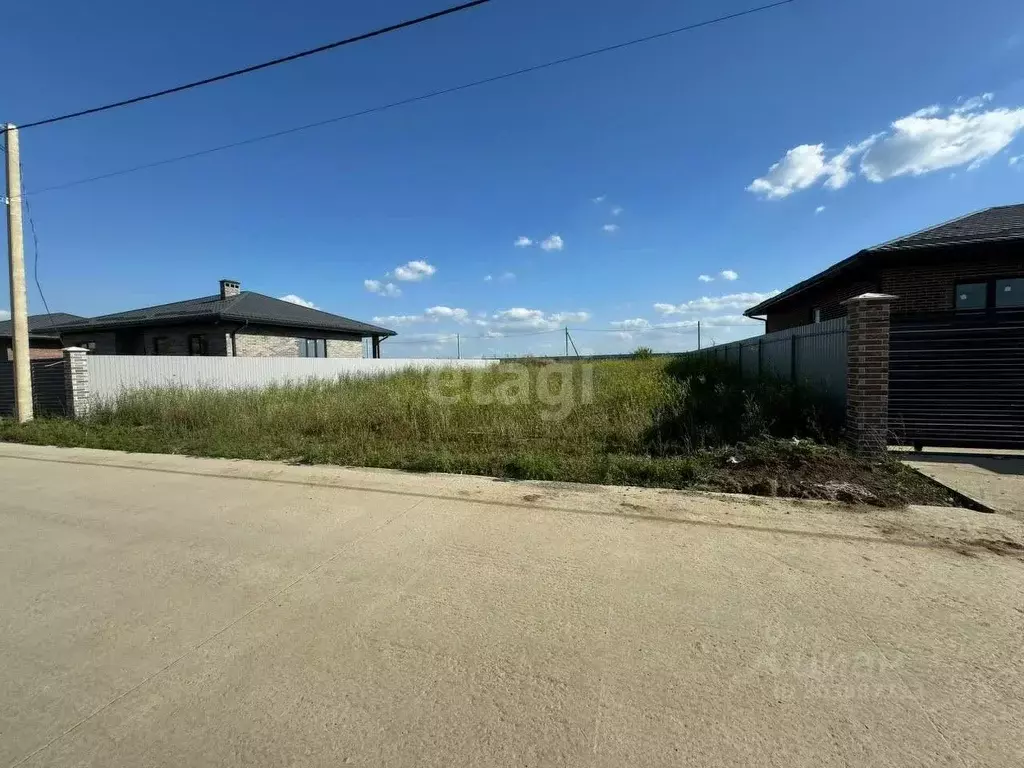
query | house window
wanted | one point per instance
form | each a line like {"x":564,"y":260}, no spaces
{"x":90,"y":345}
{"x":197,"y":344}
{"x":161,"y":345}
{"x":971,"y":296}
{"x":1010,"y":292}
{"x":312,"y":347}
{"x":816,"y":315}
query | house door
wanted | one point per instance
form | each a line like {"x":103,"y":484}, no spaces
{"x":956,"y":379}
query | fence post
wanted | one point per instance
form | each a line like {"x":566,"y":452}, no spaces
{"x":76,"y":381}
{"x":867,"y":372}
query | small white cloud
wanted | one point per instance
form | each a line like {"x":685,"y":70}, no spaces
{"x":414,"y":271}
{"x":611,"y":228}
{"x":488,"y":278}
{"x":634,"y":324}
{"x":599,"y":199}
{"x":523,"y":242}
{"x":507,"y":276}
{"x":706,"y":279}
{"x":291,"y":298}
{"x":398,"y":319}
{"x":819,"y":209}
{"x":570,"y":317}
{"x":714,"y":303}
{"x":553,"y":243}
{"x":617,"y":210}
{"x":447,"y":313}
{"x":728,"y":274}
{"x":382,"y":289}
{"x":1016,"y":159}
{"x":5,"y":314}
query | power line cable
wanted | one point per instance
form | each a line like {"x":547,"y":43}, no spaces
{"x":265,"y":65}
{"x":413,"y":99}
{"x":35,"y":255}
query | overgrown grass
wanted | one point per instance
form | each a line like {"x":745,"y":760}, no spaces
{"x":670,"y":423}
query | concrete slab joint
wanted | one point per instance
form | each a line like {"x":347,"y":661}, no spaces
{"x":76,"y":381}
{"x":867,"y":378}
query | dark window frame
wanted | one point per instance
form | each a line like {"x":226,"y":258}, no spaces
{"x":971,"y":281}
{"x":995,"y":292}
{"x":204,"y":345}
{"x":156,"y":344}
{"x":319,"y":348}
{"x":991,"y":293}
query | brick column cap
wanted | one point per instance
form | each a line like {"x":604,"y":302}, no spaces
{"x":74,"y":349}
{"x":870,"y":297}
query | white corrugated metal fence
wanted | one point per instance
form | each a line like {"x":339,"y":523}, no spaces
{"x":112,"y":375}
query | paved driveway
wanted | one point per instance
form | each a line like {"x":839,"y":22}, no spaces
{"x":163,"y":611}
{"x":993,"y":478}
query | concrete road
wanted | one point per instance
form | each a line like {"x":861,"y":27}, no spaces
{"x":993,"y":478}
{"x":164,"y":611}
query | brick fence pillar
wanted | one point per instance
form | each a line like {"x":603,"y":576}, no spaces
{"x":76,"y":381}
{"x":867,"y":372}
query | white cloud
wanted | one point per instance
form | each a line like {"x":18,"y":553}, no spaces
{"x":728,"y":274}
{"x":382,"y":289}
{"x":553,"y":243}
{"x":447,"y":313}
{"x":931,"y":139}
{"x":488,"y":278}
{"x":1016,"y":159}
{"x":507,"y":276}
{"x":523,"y":242}
{"x":714,"y":303}
{"x":521,"y":320}
{"x":634,"y":324}
{"x":610,"y":228}
{"x":414,"y":271}
{"x":706,"y":279}
{"x":819,"y":209}
{"x":398,"y":319}
{"x":4,"y":314}
{"x":599,"y":199}
{"x":291,"y":298}
{"x":570,"y":317}
{"x":617,"y":210}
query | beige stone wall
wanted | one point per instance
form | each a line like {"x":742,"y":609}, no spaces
{"x":258,"y":343}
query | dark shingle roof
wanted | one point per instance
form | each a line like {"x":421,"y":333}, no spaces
{"x":245,"y":307}
{"x":41,"y":326}
{"x":1004,"y":223}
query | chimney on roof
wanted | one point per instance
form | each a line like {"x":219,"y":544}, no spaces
{"x":229,"y":288}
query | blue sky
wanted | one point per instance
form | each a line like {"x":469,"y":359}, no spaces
{"x":891,"y":115}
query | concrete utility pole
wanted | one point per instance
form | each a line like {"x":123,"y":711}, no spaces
{"x":16,"y":262}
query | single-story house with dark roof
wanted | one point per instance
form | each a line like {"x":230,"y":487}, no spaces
{"x":231,"y":323}
{"x":975,"y":262}
{"x":43,"y":339}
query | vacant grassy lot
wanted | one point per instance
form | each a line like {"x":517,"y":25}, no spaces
{"x":678,"y":423}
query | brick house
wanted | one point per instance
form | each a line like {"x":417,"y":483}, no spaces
{"x":975,"y":262}
{"x":43,"y":341}
{"x":231,"y":323}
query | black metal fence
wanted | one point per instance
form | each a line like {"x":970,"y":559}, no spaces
{"x":48,"y":393}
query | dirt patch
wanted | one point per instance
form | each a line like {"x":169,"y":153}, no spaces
{"x":532,"y":497}
{"x":806,"y":470}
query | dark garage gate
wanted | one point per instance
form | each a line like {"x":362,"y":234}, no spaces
{"x":956,"y":379}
